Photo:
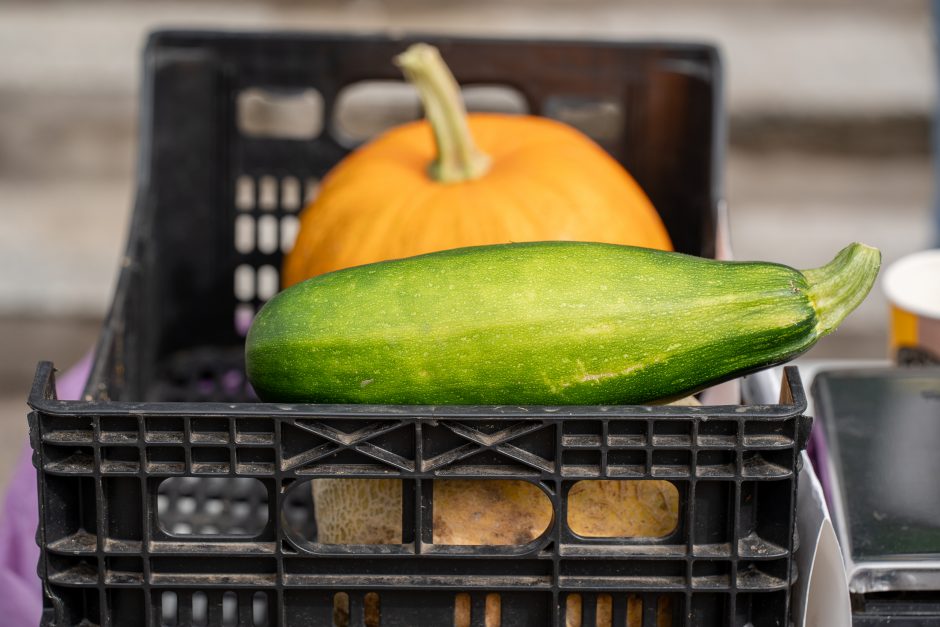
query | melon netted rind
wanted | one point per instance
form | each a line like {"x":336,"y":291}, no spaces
{"x":494,"y":512}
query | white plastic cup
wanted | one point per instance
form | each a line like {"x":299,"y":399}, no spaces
{"x":912,"y":287}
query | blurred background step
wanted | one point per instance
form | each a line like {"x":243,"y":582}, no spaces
{"x":829,"y":102}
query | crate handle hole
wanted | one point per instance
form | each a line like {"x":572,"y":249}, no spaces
{"x":494,"y":98}
{"x":340,"y":609}
{"x":367,"y":108}
{"x":490,"y":512}
{"x":280,"y":114}
{"x":623,"y":508}
{"x":353,"y":511}
{"x":601,"y":119}
{"x":168,"y":609}
{"x":371,"y":612}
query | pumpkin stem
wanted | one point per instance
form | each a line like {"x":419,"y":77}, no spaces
{"x":458,"y":158}
{"x":842,"y":284}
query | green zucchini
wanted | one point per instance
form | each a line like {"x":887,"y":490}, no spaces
{"x":547,"y":323}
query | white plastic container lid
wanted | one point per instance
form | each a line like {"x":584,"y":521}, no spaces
{"x":913,"y":283}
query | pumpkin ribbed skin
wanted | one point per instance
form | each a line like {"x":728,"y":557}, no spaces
{"x":546,"y":181}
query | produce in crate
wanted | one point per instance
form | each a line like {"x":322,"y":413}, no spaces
{"x":543,"y":323}
{"x":450,"y":181}
{"x":533,"y":323}
{"x":493,"y":512}
{"x":459,"y":180}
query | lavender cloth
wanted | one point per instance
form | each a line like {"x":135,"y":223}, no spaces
{"x":818,"y":451}
{"x":20,"y":588}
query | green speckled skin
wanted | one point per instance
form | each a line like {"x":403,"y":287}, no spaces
{"x":547,"y":323}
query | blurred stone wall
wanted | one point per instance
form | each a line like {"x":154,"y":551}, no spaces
{"x":829,"y":104}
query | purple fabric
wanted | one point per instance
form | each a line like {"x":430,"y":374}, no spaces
{"x":20,"y":589}
{"x":818,"y":451}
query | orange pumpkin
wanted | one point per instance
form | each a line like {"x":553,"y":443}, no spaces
{"x":427,"y":186}
{"x":457,"y":180}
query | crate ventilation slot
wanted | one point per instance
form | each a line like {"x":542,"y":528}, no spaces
{"x":280,"y":114}
{"x":212,"y":506}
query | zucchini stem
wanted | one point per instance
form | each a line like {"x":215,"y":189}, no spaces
{"x":458,"y":158}
{"x":841,"y":285}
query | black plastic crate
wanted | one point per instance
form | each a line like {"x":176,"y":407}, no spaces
{"x":112,"y":557}
{"x":170,"y":496}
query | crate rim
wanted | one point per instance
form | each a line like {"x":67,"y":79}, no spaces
{"x":42,"y":398}
{"x":167,"y":33}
